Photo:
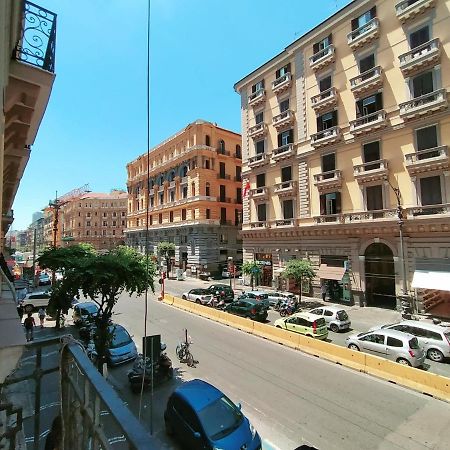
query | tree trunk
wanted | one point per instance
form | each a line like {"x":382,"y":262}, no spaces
{"x":252,"y":279}
{"x":58,"y":319}
{"x":300,"y":291}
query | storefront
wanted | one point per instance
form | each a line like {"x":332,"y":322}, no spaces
{"x":265,"y":261}
{"x":336,"y":281}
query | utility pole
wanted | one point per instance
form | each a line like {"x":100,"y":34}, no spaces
{"x":34,"y":257}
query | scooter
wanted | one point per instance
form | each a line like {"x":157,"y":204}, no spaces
{"x":217,"y":302}
{"x":289,"y":308}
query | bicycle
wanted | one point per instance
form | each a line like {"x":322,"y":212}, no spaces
{"x":184,"y":353}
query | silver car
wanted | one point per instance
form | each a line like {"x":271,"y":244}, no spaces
{"x":391,"y":344}
{"x":336,"y":318}
{"x":434,"y":339}
{"x":198,"y":295}
{"x":275,"y":297}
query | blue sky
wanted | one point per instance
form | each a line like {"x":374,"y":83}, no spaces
{"x":95,"y":122}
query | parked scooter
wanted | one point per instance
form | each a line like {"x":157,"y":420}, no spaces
{"x":288,"y":308}
{"x":217,"y":301}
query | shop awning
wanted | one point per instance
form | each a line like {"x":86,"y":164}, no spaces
{"x":330,"y":273}
{"x":428,"y":279}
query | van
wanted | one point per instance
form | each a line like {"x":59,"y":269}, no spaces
{"x":304,"y":323}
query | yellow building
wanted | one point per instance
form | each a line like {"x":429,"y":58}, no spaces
{"x":331,"y":127}
{"x":195,"y":195}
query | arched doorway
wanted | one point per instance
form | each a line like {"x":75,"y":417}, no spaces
{"x":380,"y":276}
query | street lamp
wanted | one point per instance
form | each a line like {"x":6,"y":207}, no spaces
{"x":230,"y":269}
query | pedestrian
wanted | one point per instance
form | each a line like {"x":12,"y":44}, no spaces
{"x":323,"y":289}
{"x":20,"y":310}
{"x":29,"y":326}
{"x":41,"y":314}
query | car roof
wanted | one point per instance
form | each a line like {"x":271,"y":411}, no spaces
{"x":198,"y":393}
{"x":330,"y":308}
{"x":392,"y":333}
{"x":306,"y":315}
{"x":81,"y":304}
{"x":256,"y":292}
{"x":222,"y":286}
{"x":426,"y":325}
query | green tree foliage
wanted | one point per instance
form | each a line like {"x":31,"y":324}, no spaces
{"x":166,"y":250}
{"x":253,"y":269}
{"x":299,"y":270}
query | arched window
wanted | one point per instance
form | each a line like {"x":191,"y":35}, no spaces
{"x":207,"y":140}
{"x":184,"y":171}
{"x":221,"y":146}
{"x":238,"y":151}
{"x":207,"y":189}
{"x":171,"y":175}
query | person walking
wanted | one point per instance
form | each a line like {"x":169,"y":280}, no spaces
{"x":323,"y":289}
{"x":20,"y":310}
{"x":41,"y":314}
{"x":29,"y":326}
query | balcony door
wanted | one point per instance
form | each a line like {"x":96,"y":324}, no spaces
{"x":419,"y":37}
{"x":222,"y":193}
{"x":430,"y":191}
{"x":330,"y":204}
{"x":374,"y":198}
{"x":328,"y":165}
{"x":288,"y":209}
{"x":371,"y":152}
{"x":369,"y":105}
{"x":422,"y":84}
{"x":326,"y":121}
{"x":262,"y":212}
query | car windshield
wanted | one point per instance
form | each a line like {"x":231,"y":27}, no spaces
{"x":220,"y":418}
{"x":88,"y":309}
{"x":413,"y":344}
{"x":320,"y":322}
{"x":120,"y":337}
{"x":447,"y":336}
{"x":342,"y":315}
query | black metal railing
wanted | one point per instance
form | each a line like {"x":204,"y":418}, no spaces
{"x":37,"y":42}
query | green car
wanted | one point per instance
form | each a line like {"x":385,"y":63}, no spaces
{"x":304,"y":323}
{"x":250,"y":308}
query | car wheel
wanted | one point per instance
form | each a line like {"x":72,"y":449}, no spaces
{"x":435,"y":355}
{"x":334,"y":328}
{"x":169,"y":428}
{"x":403,"y":362}
{"x":353,"y":347}
{"x":29,"y":308}
{"x":184,"y":297}
{"x":198,"y":302}
{"x":278,"y":326}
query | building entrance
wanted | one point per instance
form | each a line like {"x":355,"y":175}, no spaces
{"x":380,"y":276}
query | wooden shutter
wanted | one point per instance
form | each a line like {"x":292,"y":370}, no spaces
{"x":379,"y":102}
{"x":338,"y":203}
{"x":330,"y":38}
{"x":373,"y":12}
{"x":319,"y":124}
{"x":323,"y":210}
{"x":279,"y":140}
{"x":316,"y":48}
{"x":354,"y":24}
{"x":288,"y":67}
{"x":335,"y":118}
{"x":291,"y":136}
{"x":358,"y":105}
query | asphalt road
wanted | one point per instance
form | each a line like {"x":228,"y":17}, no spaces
{"x":290,"y":397}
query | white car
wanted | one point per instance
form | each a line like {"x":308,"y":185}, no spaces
{"x":275,"y":297}
{"x":198,"y":295}
{"x":336,"y":318}
{"x":36,"y":300}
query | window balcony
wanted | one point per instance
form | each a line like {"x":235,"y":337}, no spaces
{"x":428,"y":160}
{"x":325,"y":137}
{"x":259,"y":194}
{"x":257,"y":98}
{"x":423,"y":56}
{"x":428,"y":210}
{"x":223,"y":152}
{"x":369,"y":216}
{"x":407,"y":10}
{"x":425,"y":104}
{"x":369,"y":123}
{"x":365,"y":34}
{"x":325,"y":100}
{"x":285,"y":223}
{"x":328,"y":218}
{"x":223,"y":176}
{"x":258,"y":160}
{"x":282,"y":83}
{"x":371,"y":171}
{"x":322,"y":58}
{"x":328,"y":181}
{"x":224,"y":199}
{"x":283,"y":120}
{"x":184,"y":180}
{"x":257,"y":131}
{"x":283,"y":152}
{"x":260,"y":224}
{"x":369,"y":80}
{"x":285,"y":189}
{"x":171,"y":184}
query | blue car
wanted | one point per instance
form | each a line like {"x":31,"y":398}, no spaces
{"x":200,"y":416}
{"x":122,"y":347}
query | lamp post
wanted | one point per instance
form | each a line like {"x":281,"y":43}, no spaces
{"x":230,"y":269}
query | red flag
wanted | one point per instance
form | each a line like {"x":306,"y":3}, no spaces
{"x":246,"y":188}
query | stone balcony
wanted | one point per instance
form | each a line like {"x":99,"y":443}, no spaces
{"x":442,"y":209}
{"x":258,"y":160}
{"x":407,"y":10}
{"x":326,"y":137}
{"x":257,"y":98}
{"x":283,"y":119}
{"x":365,"y":34}
{"x":322,"y":58}
{"x":283,"y":152}
{"x":282,"y":83}
{"x":257,"y":131}
{"x":421,"y":57}
{"x":285,"y":189}
{"x":184,"y":180}
{"x":369,"y":216}
{"x":260,"y":194}
{"x":428,"y":160}
{"x":328,"y":218}
{"x":369,"y":123}
{"x":325,"y":100}
{"x":284,"y":223}
{"x":367,"y":81}
{"x":260,"y":224}
{"x":328,"y":181}
{"x":371,"y":171}
{"x":424,"y":105}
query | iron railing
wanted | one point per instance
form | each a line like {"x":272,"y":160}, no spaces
{"x":37,"y":42}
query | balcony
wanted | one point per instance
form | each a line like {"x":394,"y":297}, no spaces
{"x":223,"y":152}
{"x":326,"y":137}
{"x":328,"y":218}
{"x":369,"y":80}
{"x":260,"y":224}
{"x":369,"y":216}
{"x":258,"y":160}
{"x":283,"y":119}
{"x":257,"y":98}
{"x":328,"y":181}
{"x":184,"y":180}
{"x":282,"y":83}
{"x":285,"y":223}
{"x":431,"y":159}
{"x":421,"y":57}
{"x":224,"y":199}
{"x":428,"y":210}
{"x":408,"y":9}
{"x":257,"y":131}
{"x":172,"y":184}
{"x":424,"y":105}
{"x":283,"y":152}
{"x":325,"y":100}
{"x":369,"y":123}
{"x":322,"y":58}
{"x":365,"y":34}
{"x":223,"y":176}
{"x":371,"y":171}
{"x":259,"y":194}
{"x":285,"y":189}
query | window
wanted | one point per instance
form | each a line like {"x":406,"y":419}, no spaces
{"x":371,"y":152}
{"x":184,"y":193}
{"x":87,"y":232}
{"x":258,"y":86}
{"x":426,"y":138}
{"x":79,"y":224}
{"x":113,"y":232}
{"x":260,"y":180}
{"x":161,"y":198}
{"x":321,"y":45}
{"x":367,"y":63}
{"x":259,"y":147}
{"x":114,"y":214}
{"x":419,"y":37}
{"x":193,"y":213}
{"x":238,"y":151}
{"x":369,"y":105}
{"x":222,"y":146}
{"x":430,"y":191}
{"x":283,"y":71}
{"x":393,"y":342}
{"x":123,"y":223}
{"x":330,"y":203}
{"x":114,"y":223}
{"x":284,"y":105}
{"x":360,"y":21}
{"x":222,"y":170}
{"x":286,"y":174}
{"x":239,"y":195}
{"x":170,"y":216}
{"x":288,"y":209}
{"x":150,"y":220}
{"x":207,"y":164}
{"x":207,"y":189}
{"x":223,"y":215}
{"x":183,"y":214}
{"x":208,"y":213}
{"x":222,"y":193}
{"x":326,"y":121}
{"x":152,"y":201}
{"x":374,"y":197}
{"x":325,"y":83}
{"x":238,"y":173}
{"x":207,"y":140}
{"x":237,"y":218}
{"x":329,"y":164}
{"x":88,"y":223}
{"x":262,"y":217}
{"x":285,"y":138}
{"x":192,"y":189}
{"x":123,"y":214}
{"x":422,"y":84}
{"x":160,"y":218}
{"x":104,"y":231}
{"x":259,"y":118}
{"x":172,"y":195}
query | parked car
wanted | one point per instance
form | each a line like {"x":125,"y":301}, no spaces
{"x":44,"y":279}
{"x":202,"y":296}
{"x":391,"y":344}
{"x":434,"y":339}
{"x":36,"y":300}
{"x":336,"y":318}
{"x":223,"y":289}
{"x":200,"y":416}
{"x":275,"y":297}
{"x":84,"y":312}
{"x":122,"y":347}
{"x":304,"y":323}
{"x":259,"y":296}
{"x":248,"y":307}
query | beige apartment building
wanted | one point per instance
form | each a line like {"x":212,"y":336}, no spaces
{"x":332,"y":126}
{"x":95,"y":218}
{"x":195,"y":197}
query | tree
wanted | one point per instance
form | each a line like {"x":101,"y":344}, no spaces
{"x":166,"y":250}
{"x":299,"y":270}
{"x":253,"y":269}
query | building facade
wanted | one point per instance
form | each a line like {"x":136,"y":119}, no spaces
{"x":194,"y":196}
{"x":98,"y":219}
{"x":345,"y":151}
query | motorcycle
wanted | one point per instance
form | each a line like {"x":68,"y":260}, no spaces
{"x":162,"y":371}
{"x":217,"y":302}
{"x":289,"y":308}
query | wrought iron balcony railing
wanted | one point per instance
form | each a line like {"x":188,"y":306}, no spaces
{"x":324,"y":99}
{"x":370,"y":79}
{"x":37,"y":42}
{"x":363,"y":34}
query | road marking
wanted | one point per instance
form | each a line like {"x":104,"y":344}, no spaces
{"x":267,"y":445}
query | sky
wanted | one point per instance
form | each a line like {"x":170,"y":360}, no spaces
{"x":96,"y":120}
